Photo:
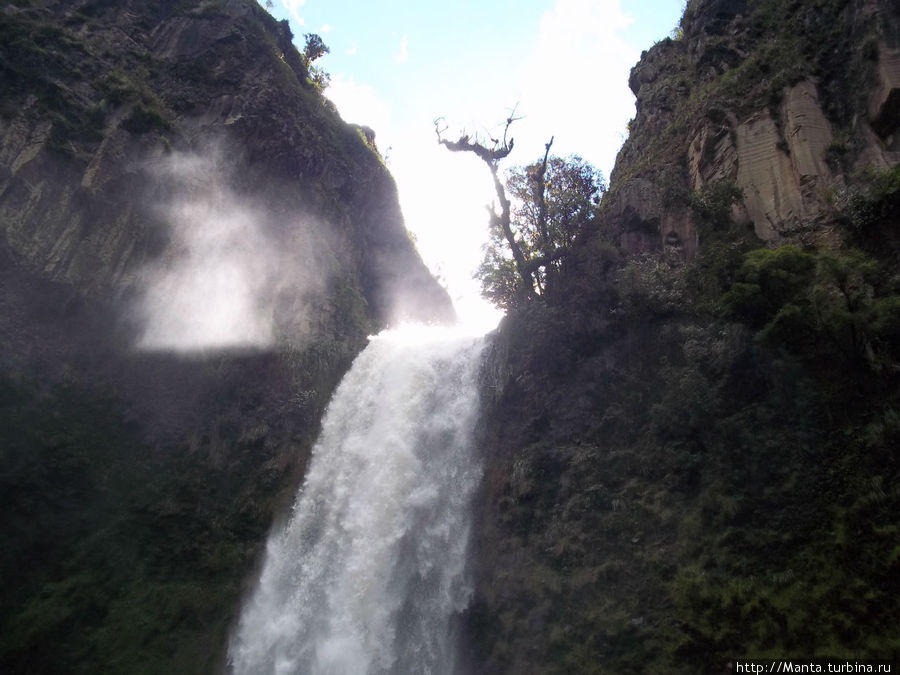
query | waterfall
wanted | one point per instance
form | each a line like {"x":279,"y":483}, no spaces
{"x":369,"y":572}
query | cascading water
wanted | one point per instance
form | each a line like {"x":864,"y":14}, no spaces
{"x":370,"y":570}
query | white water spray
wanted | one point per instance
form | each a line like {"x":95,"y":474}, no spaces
{"x":368,"y":574}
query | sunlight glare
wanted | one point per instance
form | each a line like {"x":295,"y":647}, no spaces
{"x":444,"y":197}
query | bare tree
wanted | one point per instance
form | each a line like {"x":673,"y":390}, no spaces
{"x":538,"y":232}
{"x":491,"y":156}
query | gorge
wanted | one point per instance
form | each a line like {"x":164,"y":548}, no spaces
{"x":681,"y":453}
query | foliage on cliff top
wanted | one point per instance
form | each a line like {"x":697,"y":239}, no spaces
{"x":553,"y":204}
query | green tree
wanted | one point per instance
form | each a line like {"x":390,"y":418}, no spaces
{"x":553,"y":201}
{"x":543,"y":208}
{"x":315,"y":49}
{"x":834,"y":305}
{"x":854,"y":314}
{"x":767,"y":281}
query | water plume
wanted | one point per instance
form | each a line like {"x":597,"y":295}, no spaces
{"x":225,"y":269}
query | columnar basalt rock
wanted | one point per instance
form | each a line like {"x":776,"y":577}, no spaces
{"x":785,"y":153}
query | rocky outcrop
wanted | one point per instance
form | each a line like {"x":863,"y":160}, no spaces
{"x":781,"y":163}
{"x":712,"y":155}
{"x":712,"y":105}
{"x":762,"y":171}
{"x":641,"y":431}
{"x":636,"y":211}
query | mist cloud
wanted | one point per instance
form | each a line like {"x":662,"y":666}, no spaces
{"x":223,"y":272}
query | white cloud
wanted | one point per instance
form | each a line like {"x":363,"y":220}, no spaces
{"x":359,"y":103}
{"x":326,"y":28}
{"x":576,"y":83}
{"x":293,"y":7}
{"x":352,"y":50}
{"x":402,"y":55}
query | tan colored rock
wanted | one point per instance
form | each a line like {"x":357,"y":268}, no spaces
{"x":781,"y":175}
{"x":634,"y":213}
{"x":636,"y":201}
{"x":679,"y":232}
{"x":636,"y":210}
{"x":771,"y":194}
{"x":874,"y":153}
{"x":807,"y":132}
{"x":778,"y":163}
{"x":712,"y":156}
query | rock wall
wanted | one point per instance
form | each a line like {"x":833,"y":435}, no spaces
{"x":714,"y":106}
{"x":138,"y":484}
{"x":780,"y":163}
{"x":659,"y":433}
{"x":884,"y":105}
{"x":123,"y":86}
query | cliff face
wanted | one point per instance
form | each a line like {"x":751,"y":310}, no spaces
{"x":194,"y":248}
{"x":787,"y":104}
{"x":690,"y":443}
{"x":98,"y":95}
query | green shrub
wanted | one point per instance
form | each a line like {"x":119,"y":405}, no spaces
{"x":873,"y":198}
{"x":821,"y":306}
{"x":713,"y":202}
{"x":766,"y":281}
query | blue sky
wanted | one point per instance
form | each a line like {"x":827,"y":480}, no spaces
{"x":396,"y":65}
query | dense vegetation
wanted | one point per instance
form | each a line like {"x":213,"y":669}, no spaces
{"x":137,"y":488}
{"x":699,"y":459}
